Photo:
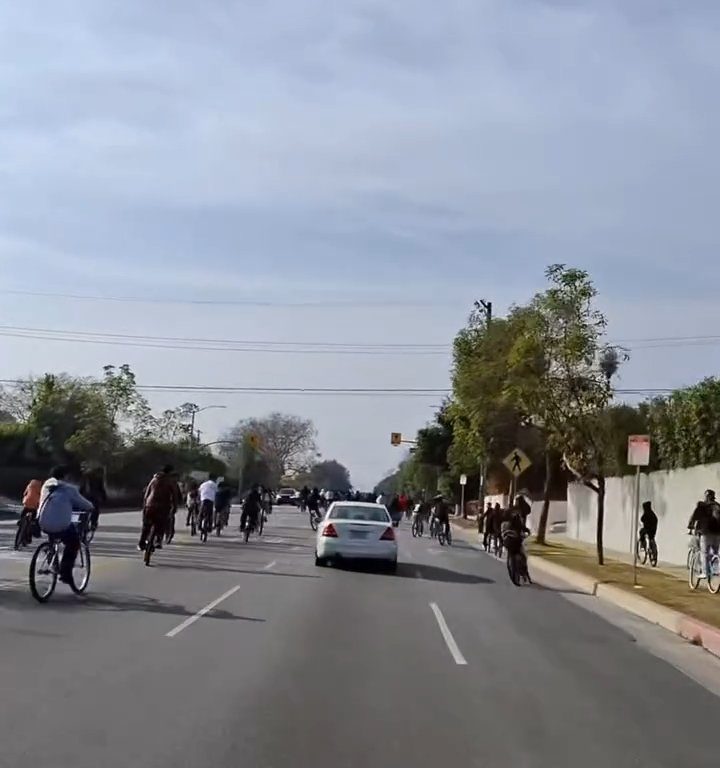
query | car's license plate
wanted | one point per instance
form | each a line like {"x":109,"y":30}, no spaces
{"x":358,"y":534}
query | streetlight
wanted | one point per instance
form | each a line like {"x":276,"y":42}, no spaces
{"x":192,"y":420}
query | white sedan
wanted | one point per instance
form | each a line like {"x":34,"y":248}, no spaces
{"x":356,"y":530}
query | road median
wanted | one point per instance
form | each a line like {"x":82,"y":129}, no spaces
{"x":662,"y":597}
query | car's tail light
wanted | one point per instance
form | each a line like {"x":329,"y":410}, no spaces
{"x":389,"y":535}
{"x":329,"y":530}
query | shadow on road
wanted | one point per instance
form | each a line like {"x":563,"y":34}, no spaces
{"x":415,"y":571}
{"x":115,"y":603}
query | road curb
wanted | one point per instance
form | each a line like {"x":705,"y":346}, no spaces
{"x":687,"y":627}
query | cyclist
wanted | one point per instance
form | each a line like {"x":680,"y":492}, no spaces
{"x":192,"y":501}
{"x":30,"y":502}
{"x":513,"y":531}
{"x":223,"y":498}
{"x":252,"y":506}
{"x":487,"y":522}
{"x":92,"y":487}
{"x":267,"y":502}
{"x":207,"y":493}
{"x":304,"y":496}
{"x":441,"y":512}
{"x":649,"y":523}
{"x":159,"y":501}
{"x":58,"y":500}
{"x":705,"y":522}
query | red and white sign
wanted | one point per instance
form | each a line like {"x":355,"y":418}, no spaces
{"x":638,"y":450}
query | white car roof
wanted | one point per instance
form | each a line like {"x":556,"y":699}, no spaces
{"x":370,"y":504}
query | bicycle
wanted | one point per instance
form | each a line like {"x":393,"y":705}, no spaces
{"x":518,"y":569}
{"x":693,"y":547}
{"x":443,"y":534}
{"x":23,"y":535}
{"x":250,"y":526}
{"x":46,"y":560}
{"x":205,"y":524}
{"x":315,"y":518}
{"x":711,"y":571}
{"x":434,"y":525}
{"x":194,"y":515}
{"x":418,"y":527}
{"x":646,"y":549}
{"x":221,"y":520}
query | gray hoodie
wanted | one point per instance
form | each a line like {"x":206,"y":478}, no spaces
{"x":58,"y":499}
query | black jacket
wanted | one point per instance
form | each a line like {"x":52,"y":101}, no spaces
{"x":706,"y":518}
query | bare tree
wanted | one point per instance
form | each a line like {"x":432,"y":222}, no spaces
{"x":285,"y":442}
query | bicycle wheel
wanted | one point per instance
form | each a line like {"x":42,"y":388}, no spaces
{"x":89,"y":534}
{"x":448,"y":537}
{"x":441,"y":537}
{"x":688,"y":561}
{"x":653,"y":555}
{"x":149,"y":546}
{"x":641,"y":550}
{"x":193,"y":524}
{"x":414,"y":530}
{"x":21,"y":535}
{"x":313,"y":522}
{"x":43,"y":572}
{"x":714,"y":574}
{"x":246,"y":532}
{"x":695,"y":572}
{"x":81,"y":571}
{"x":261,"y":523}
{"x":512,"y":570}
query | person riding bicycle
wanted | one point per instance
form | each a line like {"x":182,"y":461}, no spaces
{"x":192,"y":501}
{"x":513,"y":531}
{"x":648,"y":522}
{"x":207,"y":492}
{"x":705,"y":522}
{"x":252,"y":506}
{"x":159,"y":501}
{"x":441,"y":512}
{"x":267,"y":501}
{"x":223,"y":497}
{"x":489,"y":517}
{"x":30,"y":503}
{"x":58,"y":500}
{"x":314,"y":500}
{"x":304,"y":496}
{"x":92,"y":487}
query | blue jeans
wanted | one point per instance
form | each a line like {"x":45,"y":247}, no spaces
{"x":71,"y":539}
{"x":709,"y":545}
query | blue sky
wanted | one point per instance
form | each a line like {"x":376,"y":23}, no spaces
{"x":296,"y":150}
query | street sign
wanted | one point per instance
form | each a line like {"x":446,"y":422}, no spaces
{"x":638,"y":450}
{"x":395,"y":438}
{"x":463,"y":479}
{"x":517,"y":462}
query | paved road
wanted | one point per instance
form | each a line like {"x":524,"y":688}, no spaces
{"x":445,"y":663}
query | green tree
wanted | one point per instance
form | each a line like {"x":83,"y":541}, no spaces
{"x":329,"y":474}
{"x":561,"y":371}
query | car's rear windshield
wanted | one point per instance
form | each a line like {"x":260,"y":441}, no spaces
{"x":287,"y":490}
{"x":371,"y":514}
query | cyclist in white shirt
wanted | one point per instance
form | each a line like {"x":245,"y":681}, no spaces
{"x":207,"y":492}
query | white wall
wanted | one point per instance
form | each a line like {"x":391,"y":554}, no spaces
{"x":673,"y":493}
{"x":557,"y":514}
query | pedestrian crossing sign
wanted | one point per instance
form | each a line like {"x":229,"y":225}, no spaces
{"x":517,"y":462}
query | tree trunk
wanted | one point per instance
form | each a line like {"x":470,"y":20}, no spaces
{"x":600,"y":518}
{"x":542,"y":523}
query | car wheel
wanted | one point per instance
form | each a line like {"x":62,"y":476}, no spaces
{"x":320,"y":561}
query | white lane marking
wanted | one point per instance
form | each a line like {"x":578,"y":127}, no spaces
{"x":192,"y":619}
{"x":447,"y":635}
{"x":269,"y":565}
{"x":433,"y":552}
{"x":418,"y":575}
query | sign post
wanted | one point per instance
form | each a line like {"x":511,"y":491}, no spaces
{"x":638,"y":456}
{"x":516,"y":463}
{"x":463,"y":483}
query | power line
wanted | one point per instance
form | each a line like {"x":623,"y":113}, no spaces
{"x":79,"y":337}
{"x":387,"y":303}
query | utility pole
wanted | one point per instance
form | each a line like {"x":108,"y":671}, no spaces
{"x":486,"y":307}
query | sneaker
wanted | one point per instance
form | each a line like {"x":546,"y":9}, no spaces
{"x":141,"y":547}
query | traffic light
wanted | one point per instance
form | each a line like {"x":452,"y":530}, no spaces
{"x":395,"y":438}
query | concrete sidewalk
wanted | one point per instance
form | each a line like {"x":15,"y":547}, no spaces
{"x":692,"y":629}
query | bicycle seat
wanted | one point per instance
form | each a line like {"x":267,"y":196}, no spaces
{"x":53,"y":538}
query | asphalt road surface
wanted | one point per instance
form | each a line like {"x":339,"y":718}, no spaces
{"x":444,"y":664}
